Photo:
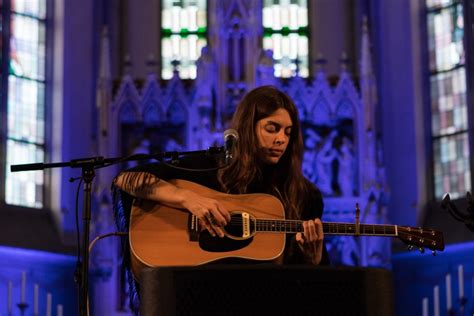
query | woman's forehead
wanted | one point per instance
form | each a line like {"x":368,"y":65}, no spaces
{"x":280,"y":117}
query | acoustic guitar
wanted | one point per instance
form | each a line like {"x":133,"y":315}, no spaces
{"x":165,"y":236}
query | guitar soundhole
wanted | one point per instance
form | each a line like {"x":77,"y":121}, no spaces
{"x":235,"y":228}
{"x":218,"y":244}
{"x":234,"y":240}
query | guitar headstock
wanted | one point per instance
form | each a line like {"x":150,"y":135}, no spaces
{"x":421,"y":238}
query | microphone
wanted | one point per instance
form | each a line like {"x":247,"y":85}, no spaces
{"x":230,"y":139}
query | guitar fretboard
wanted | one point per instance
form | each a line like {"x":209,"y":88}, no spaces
{"x":331,"y":228}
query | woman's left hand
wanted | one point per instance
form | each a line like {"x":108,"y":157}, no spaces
{"x":311,"y":240}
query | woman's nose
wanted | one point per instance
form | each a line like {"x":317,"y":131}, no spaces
{"x":281,"y":138}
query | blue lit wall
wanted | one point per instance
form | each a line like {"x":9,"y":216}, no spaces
{"x":53,"y":273}
{"x":417,"y":274}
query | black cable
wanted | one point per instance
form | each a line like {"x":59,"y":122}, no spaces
{"x":77,"y":221}
{"x":470,"y":203}
{"x":118,"y":234}
{"x":77,"y":276}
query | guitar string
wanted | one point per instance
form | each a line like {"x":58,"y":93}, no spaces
{"x":295,"y":225}
{"x":288,"y":225}
{"x":377,"y":228}
{"x":332,"y":227}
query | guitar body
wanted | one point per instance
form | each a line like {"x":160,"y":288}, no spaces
{"x":164,"y":236}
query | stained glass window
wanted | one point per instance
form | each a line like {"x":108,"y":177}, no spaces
{"x":183,"y":35}
{"x":26,"y":101}
{"x":449,"y":109}
{"x":285,"y":24}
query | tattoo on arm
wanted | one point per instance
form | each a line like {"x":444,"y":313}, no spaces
{"x":138,"y":184}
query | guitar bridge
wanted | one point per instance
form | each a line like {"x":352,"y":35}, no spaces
{"x":193,"y":227}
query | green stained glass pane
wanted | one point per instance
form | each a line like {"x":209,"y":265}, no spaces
{"x":24,"y":188}
{"x":449,"y":123}
{"x":27,"y":48}
{"x":452,"y":172}
{"x":290,"y":54}
{"x":285,"y":14}
{"x":448,"y":102}
{"x":26,"y":102}
{"x":433,"y":4}
{"x":285,"y":25}
{"x":183,"y":29}
{"x":184,"y":51}
{"x":25,"y":110}
{"x":36,"y":8}
{"x":445,"y":38}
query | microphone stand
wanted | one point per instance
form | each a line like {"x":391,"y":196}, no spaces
{"x":88,"y":166}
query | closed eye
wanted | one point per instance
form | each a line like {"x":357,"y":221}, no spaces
{"x":273,"y":127}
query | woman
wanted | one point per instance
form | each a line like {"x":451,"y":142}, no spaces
{"x":267,"y":159}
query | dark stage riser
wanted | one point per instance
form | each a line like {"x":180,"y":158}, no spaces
{"x":266,"y":290}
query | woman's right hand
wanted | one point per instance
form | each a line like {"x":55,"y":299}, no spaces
{"x":210,"y":212}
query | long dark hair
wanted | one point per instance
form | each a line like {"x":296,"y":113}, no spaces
{"x":287,"y":182}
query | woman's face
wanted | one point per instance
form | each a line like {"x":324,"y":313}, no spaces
{"x":273,"y":135}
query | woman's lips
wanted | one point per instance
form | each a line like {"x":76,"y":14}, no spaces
{"x":275,"y":152}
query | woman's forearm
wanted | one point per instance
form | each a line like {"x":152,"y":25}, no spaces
{"x":147,"y":186}
{"x":210,"y":212}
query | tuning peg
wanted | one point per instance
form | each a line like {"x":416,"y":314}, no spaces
{"x":433,"y":252}
{"x":422,"y":250}
{"x":410,"y":247}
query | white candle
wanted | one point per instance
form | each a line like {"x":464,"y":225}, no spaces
{"x":23,"y":287}
{"x":35,"y":300}
{"x":449,"y":302}
{"x":59,"y":310}
{"x":425,"y":303}
{"x":49,"y":300}
{"x":436,"y":300}
{"x":461,"y":280}
{"x":10,"y":289}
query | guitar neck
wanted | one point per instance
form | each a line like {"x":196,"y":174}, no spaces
{"x":329,"y":228}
